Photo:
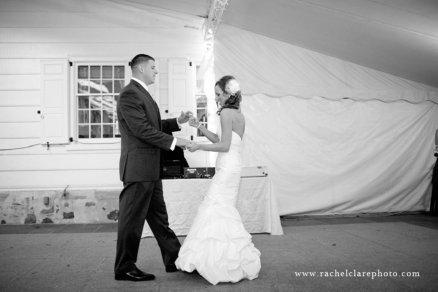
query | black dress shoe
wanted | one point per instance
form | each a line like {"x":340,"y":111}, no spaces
{"x":195,"y":272}
{"x":134,"y":275}
{"x":171,"y":269}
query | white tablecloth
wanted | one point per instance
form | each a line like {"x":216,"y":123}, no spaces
{"x":256,"y":204}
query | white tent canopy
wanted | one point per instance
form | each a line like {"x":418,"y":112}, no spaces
{"x":277,"y":68}
{"x":399,"y":37}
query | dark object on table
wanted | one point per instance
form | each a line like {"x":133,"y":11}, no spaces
{"x":173,"y":169}
{"x":173,"y":163}
{"x":199,"y":172}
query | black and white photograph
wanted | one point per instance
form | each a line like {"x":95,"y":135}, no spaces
{"x":218,"y":145}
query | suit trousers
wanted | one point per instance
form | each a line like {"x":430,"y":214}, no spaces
{"x":140,"y":201}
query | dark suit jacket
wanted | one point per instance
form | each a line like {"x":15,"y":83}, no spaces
{"x":142,"y":139}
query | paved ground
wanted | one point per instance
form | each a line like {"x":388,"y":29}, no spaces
{"x":80,"y":257}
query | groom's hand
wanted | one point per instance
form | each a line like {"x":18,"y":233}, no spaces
{"x":182,"y":143}
{"x":184,"y":117}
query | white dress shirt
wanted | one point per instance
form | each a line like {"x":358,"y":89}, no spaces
{"x":172,"y":147}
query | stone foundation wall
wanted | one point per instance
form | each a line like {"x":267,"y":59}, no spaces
{"x":59,"y":206}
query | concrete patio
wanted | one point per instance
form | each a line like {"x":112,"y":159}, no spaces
{"x":52,"y":257}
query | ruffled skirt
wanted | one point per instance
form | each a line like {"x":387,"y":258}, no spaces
{"x":218,"y":246}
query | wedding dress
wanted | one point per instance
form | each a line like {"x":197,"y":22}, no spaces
{"x":217,"y":245}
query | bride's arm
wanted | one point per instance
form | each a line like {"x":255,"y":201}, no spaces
{"x":227,"y":126}
{"x":210,"y":135}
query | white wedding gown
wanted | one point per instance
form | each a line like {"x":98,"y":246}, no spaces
{"x":217,"y":245}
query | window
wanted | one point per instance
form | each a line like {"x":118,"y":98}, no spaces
{"x":201,"y":103}
{"x":201,"y":111}
{"x":96,"y":90}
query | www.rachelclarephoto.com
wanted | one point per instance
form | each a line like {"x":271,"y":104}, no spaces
{"x":357,"y":274}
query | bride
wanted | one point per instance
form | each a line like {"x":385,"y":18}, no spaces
{"x":217,"y":246}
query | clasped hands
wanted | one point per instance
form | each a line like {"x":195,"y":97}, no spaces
{"x":186,"y":144}
{"x":192,"y":146}
{"x":183,"y":143}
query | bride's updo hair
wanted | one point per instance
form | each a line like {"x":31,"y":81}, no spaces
{"x":228,"y":84}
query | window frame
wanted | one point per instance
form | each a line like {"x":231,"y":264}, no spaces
{"x":196,"y":137}
{"x":74,"y":102}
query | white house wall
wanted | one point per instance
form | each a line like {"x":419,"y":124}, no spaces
{"x":32,"y":31}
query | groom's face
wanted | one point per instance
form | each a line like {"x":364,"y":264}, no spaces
{"x":148,"y":71}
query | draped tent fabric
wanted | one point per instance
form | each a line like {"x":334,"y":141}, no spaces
{"x":337,"y":138}
{"x":275,"y":68}
{"x":340,"y":157}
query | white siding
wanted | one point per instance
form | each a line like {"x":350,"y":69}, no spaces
{"x":32,"y":30}
{"x":22,"y":97}
{"x":19,"y":82}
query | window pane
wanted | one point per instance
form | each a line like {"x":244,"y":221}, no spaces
{"x":95,"y":86}
{"x":116,"y":130}
{"x":96,"y":117}
{"x":83,"y":117}
{"x":95,"y":102}
{"x":83,"y":72}
{"x":95,"y":72}
{"x":107,"y":86}
{"x":118,"y":85}
{"x":107,"y":71}
{"x":202,"y":115}
{"x":200,"y":134}
{"x":201,"y":101}
{"x":107,"y":131}
{"x":83,"y":102}
{"x":108,"y":107}
{"x":107,"y":116}
{"x":108,"y":102}
{"x":83,"y":86}
{"x":83,"y":132}
{"x":96,"y":131}
{"x":119,"y":72}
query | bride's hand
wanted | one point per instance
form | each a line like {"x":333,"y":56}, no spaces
{"x":192,"y":147}
{"x":193,"y":122}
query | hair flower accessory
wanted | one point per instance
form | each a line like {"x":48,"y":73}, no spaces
{"x":232,"y":87}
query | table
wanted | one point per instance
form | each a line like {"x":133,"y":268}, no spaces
{"x":256,"y":202}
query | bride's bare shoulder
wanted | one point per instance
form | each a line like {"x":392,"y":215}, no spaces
{"x":233,"y":115}
{"x":227,"y":113}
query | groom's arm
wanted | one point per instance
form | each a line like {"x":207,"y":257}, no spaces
{"x":130,"y":109}
{"x":170,"y":125}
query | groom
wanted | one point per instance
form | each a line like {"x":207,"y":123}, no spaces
{"x":142,"y":138}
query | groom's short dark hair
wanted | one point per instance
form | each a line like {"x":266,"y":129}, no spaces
{"x":139,"y":59}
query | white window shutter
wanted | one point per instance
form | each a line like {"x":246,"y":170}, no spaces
{"x":181,"y":90}
{"x":54,"y":99}
{"x":182,"y":98}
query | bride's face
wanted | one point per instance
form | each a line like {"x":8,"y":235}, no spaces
{"x":220,"y":97}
